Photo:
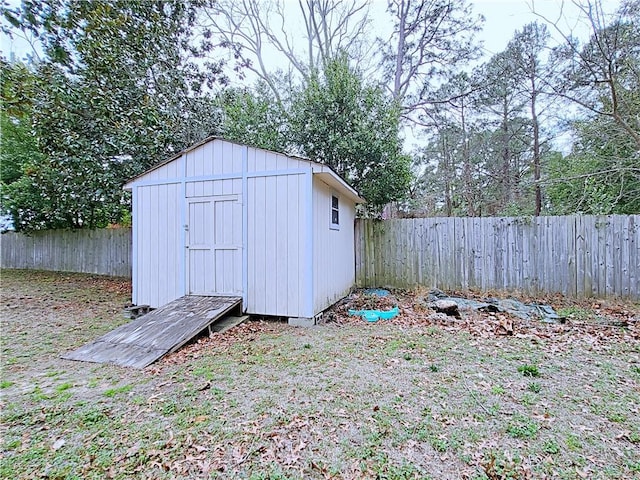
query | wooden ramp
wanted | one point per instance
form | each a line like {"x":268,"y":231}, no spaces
{"x":143,"y":341}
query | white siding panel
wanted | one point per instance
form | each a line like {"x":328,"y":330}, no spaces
{"x":251,"y":159}
{"x":208,"y":188}
{"x":217,"y":157}
{"x":159,"y":252}
{"x":294,"y":249}
{"x":172,"y":170}
{"x":199,"y":189}
{"x":238,"y":151}
{"x":208,"y":160}
{"x":282,"y":162}
{"x":259,"y":160}
{"x":264,"y":161}
{"x":282,"y":246}
{"x":257,"y":252}
{"x":273,"y":255}
{"x":226,"y":159}
{"x":197,"y":160}
{"x":305,"y":238}
{"x":276,"y":239}
{"x":227,"y":187}
{"x":334,"y":262}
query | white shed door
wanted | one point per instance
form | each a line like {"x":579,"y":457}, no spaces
{"x":214,"y":245}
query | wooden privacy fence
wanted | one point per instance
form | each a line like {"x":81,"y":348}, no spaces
{"x":574,"y":255}
{"x":102,"y":251}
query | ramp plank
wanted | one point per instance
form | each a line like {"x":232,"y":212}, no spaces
{"x":148,"y":338}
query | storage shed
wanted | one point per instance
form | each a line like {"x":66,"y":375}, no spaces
{"x":222,"y":218}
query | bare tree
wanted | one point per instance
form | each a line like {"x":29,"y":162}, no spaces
{"x":596,"y":73}
{"x":454,"y":131}
{"x":527,"y":53}
{"x":430,"y":38}
{"x":501,"y":107}
{"x":264,"y":34}
{"x":601,"y":76}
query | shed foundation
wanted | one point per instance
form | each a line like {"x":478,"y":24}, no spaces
{"x":302,"y":322}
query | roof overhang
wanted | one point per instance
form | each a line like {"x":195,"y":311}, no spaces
{"x":331,"y":178}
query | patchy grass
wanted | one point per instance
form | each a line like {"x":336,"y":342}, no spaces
{"x":529,"y":370}
{"x":576,"y":313}
{"x":112,"y":392}
{"x":405,"y":399}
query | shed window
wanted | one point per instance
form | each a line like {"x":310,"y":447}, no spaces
{"x":335,"y":212}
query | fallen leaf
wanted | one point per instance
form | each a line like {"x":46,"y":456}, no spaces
{"x":58,"y":444}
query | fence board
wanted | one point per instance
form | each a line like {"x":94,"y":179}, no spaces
{"x":574,"y":255}
{"x":634,"y":255}
{"x":103,"y":251}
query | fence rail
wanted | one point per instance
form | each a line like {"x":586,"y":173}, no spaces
{"x":101,"y":251}
{"x":578,"y":256}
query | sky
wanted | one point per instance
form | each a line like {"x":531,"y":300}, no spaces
{"x":502,"y":19}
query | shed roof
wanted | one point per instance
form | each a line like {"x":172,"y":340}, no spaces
{"x":323,"y":171}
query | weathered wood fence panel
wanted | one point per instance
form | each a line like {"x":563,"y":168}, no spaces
{"x":575,"y":255}
{"x":101,"y":251}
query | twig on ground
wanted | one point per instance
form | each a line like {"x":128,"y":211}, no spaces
{"x":475,"y":398}
{"x":249,"y":454}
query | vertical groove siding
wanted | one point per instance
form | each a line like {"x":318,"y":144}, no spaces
{"x":277,"y":236}
{"x":578,"y":256}
{"x":100,"y":251}
{"x":159,"y":250}
{"x":333,"y":255}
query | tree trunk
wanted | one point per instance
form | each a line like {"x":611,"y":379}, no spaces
{"x":448,"y":172}
{"x":536,"y":145}
{"x":466,"y":165}
{"x":505,"y":181}
{"x":403,"y":8}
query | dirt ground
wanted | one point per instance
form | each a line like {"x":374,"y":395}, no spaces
{"x":424,"y":395}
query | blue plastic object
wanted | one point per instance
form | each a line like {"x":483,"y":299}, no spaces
{"x":378,"y":292}
{"x":371,"y":316}
{"x":374,"y":315}
{"x":389,"y":313}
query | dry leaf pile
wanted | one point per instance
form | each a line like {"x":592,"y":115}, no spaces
{"x":608,"y":323}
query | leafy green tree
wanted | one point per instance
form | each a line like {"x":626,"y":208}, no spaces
{"x":516,"y":78}
{"x":352,"y":127}
{"x":510,"y":108}
{"x":602,"y":78}
{"x":601,"y":75}
{"x":600,"y":176}
{"x":19,"y":144}
{"x":254,"y":117}
{"x":19,"y":149}
{"x":117,"y":91}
